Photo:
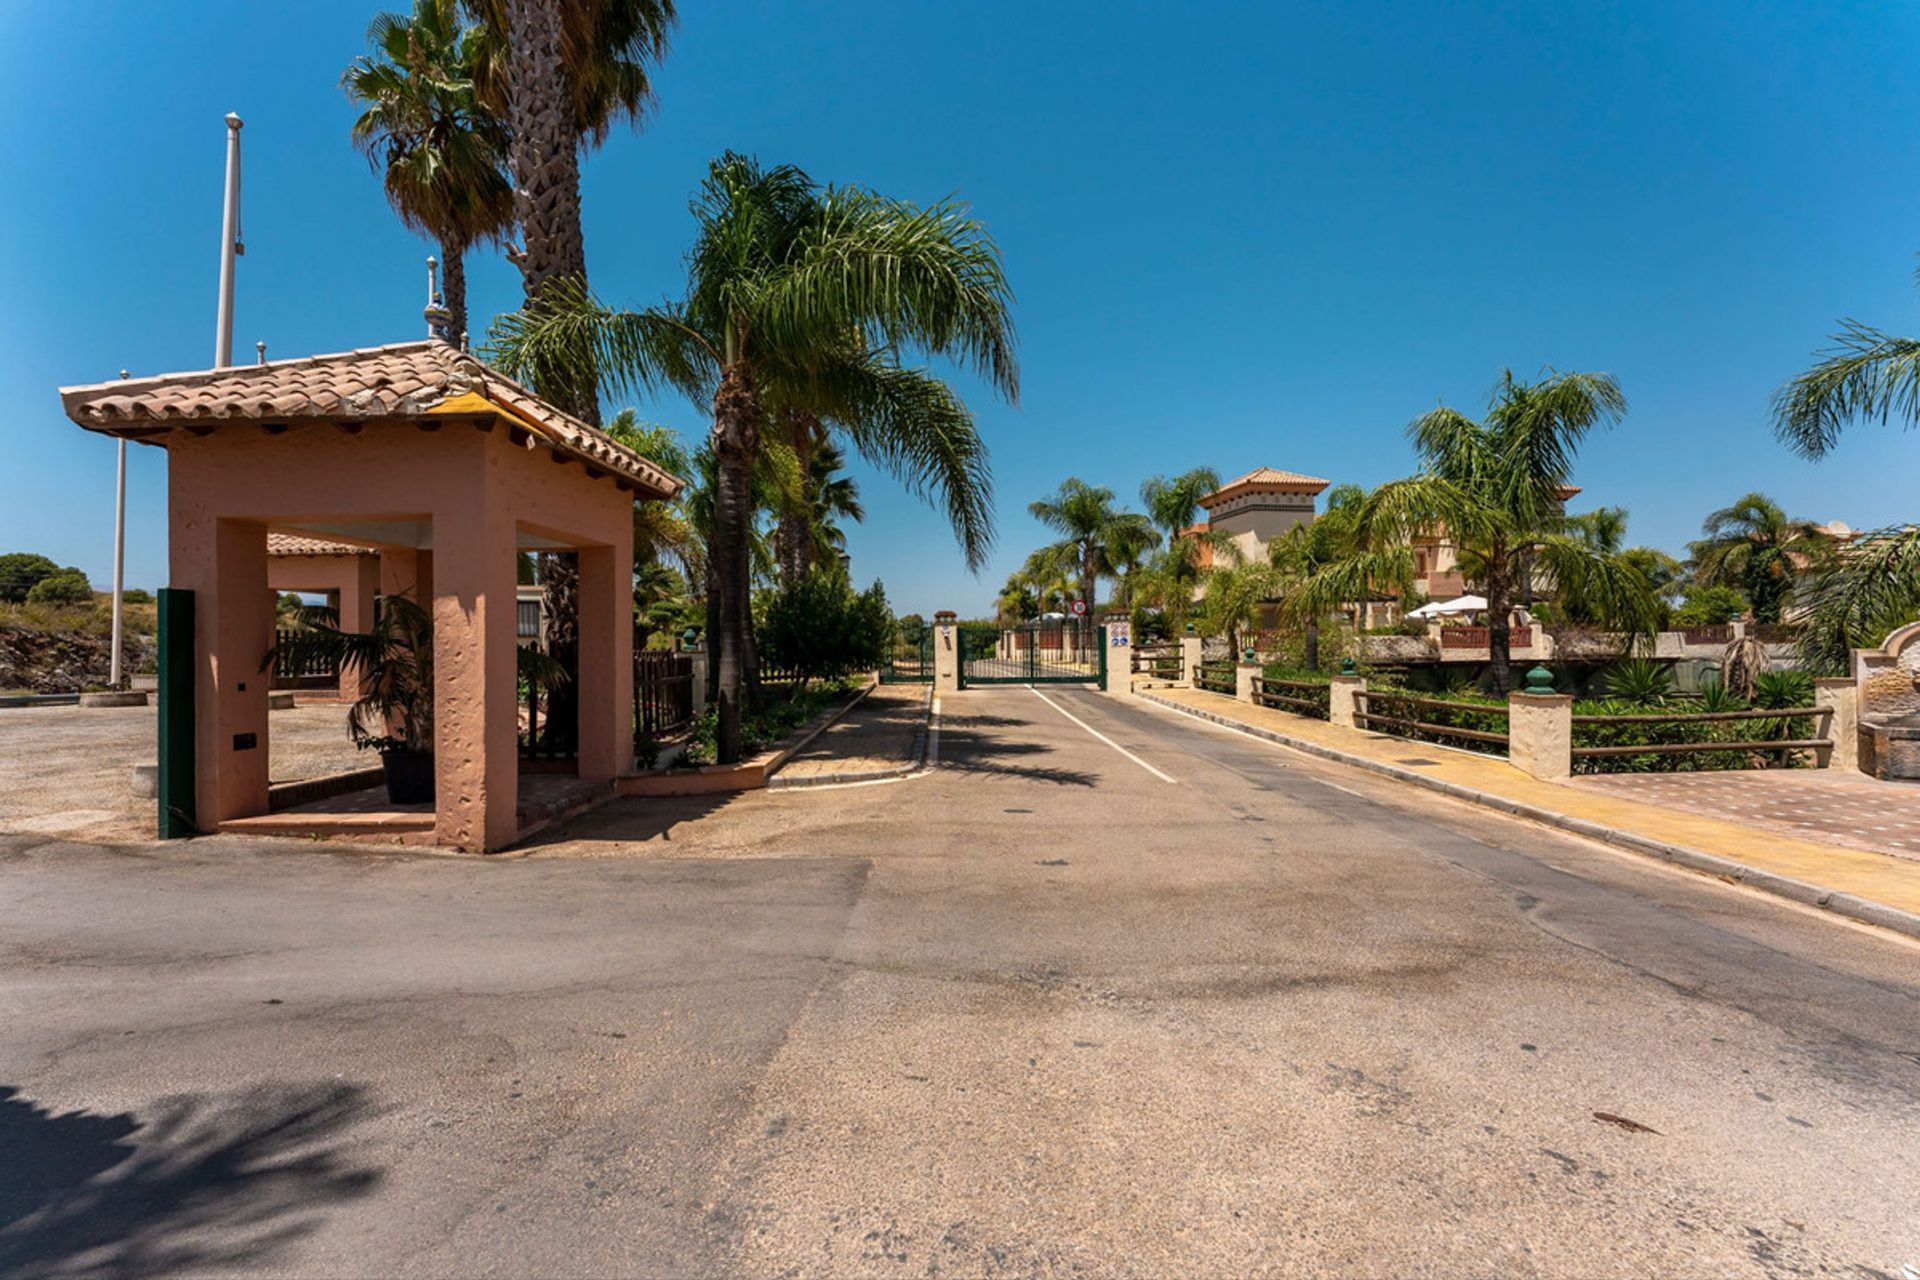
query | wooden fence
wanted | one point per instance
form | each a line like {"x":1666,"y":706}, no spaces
{"x":1440,"y":720}
{"x":1215,"y":677}
{"x":1596,"y":737}
{"x":1309,"y":698}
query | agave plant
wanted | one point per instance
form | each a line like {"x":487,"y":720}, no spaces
{"x":1639,"y":680}
{"x":1777,"y":689}
{"x":1715,"y":696}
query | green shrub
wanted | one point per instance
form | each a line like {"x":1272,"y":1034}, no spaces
{"x":136,"y":595}
{"x":20,"y":571}
{"x":65,"y":586}
{"x":819,"y":627}
{"x":1709,"y":607}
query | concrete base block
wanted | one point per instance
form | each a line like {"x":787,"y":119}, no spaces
{"x":146,"y":781}
{"x":135,"y":698}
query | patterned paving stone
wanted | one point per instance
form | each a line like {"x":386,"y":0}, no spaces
{"x":1846,"y":809}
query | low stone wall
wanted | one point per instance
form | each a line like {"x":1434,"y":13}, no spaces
{"x":64,"y":661}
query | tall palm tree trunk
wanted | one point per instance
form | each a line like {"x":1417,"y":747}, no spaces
{"x":736,"y":438}
{"x":1499,"y":629}
{"x":545,"y":157}
{"x":1313,"y":646}
{"x":453,"y":288}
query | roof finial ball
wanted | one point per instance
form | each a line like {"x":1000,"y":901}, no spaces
{"x":260,"y":350}
{"x":439,"y":319}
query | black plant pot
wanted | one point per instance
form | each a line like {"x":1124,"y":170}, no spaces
{"x":409,"y":776}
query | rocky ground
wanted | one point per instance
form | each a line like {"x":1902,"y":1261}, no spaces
{"x":37,"y":661}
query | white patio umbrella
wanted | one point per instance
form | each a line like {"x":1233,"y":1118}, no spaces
{"x":1461,"y":604}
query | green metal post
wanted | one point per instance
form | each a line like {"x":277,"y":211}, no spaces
{"x":175,"y":615}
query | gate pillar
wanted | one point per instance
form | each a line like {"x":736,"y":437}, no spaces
{"x":946,"y":652}
{"x":1116,"y":646}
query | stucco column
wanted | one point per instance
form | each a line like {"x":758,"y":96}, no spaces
{"x":1341,"y":702}
{"x":233,"y":631}
{"x":1117,"y":636}
{"x":476,"y":733}
{"x":1244,"y":674}
{"x":1540,"y":733}
{"x":1840,"y":697}
{"x":946,"y":652}
{"x":404,"y":571}
{"x":1190,"y":650}
{"x":606,"y":661}
{"x":358,"y":591}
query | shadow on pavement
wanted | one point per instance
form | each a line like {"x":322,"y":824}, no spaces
{"x":205,"y":1183}
{"x":630,"y":818}
{"x":968,"y":746}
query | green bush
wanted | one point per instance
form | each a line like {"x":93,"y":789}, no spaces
{"x":1709,"y":607}
{"x":64,"y":586}
{"x":819,"y":627}
{"x":20,"y":571}
{"x":136,"y":595}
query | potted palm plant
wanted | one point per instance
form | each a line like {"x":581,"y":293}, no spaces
{"x":395,"y":663}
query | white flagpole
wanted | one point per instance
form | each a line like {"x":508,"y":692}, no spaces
{"x":119,"y":554}
{"x":229,"y":247}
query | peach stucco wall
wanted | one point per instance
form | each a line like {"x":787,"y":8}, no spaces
{"x":478,"y":489}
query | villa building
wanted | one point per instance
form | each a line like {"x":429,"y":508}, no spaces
{"x":1257,"y":510}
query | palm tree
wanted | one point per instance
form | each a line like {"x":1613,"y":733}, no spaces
{"x":1098,"y":535}
{"x":1497,"y":489}
{"x":1851,"y":600}
{"x":805,"y":297}
{"x":441,"y":153}
{"x":662,"y":531}
{"x":1306,"y":549}
{"x":1865,"y":374}
{"x":831,"y":497}
{"x":1233,"y":598}
{"x":1171,"y":503}
{"x":563,"y":73}
{"x":1756,"y":547}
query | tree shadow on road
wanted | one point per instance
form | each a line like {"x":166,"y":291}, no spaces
{"x":965,"y":748}
{"x":203,"y":1182}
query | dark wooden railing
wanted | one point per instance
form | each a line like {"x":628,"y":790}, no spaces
{"x":1158,"y":661}
{"x":1215,"y":677}
{"x":1304,"y":697}
{"x":1481,"y":637}
{"x":1781,"y":746}
{"x":1400,"y":713}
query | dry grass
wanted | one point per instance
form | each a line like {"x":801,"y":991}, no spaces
{"x":94,"y":619}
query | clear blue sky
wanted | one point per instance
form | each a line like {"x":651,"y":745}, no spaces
{"x":1239,"y":235}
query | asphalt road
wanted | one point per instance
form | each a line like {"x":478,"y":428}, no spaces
{"x":1160,"y":1001}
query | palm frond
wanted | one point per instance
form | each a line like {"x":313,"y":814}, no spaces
{"x":1865,"y":376}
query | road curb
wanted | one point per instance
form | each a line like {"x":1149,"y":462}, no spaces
{"x":915,"y":759}
{"x":1848,"y":905}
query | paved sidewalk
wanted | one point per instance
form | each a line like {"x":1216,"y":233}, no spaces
{"x":1828,"y":805}
{"x":1848,"y":880}
{"x":883,"y":737}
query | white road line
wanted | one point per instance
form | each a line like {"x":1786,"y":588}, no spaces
{"x":1096,"y":733}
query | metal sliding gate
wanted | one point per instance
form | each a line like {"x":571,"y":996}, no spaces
{"x":1050,"y":651}
{"x":910,"y":660}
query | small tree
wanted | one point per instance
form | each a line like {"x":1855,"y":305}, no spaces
{"x":20,"y":571}
{"x":65,"y":586}
{"x":820,"y":628}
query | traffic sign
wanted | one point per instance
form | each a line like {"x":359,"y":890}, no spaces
{"x":1079,"y":608}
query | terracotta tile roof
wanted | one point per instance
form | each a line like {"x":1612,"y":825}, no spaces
{"x":1269,"y":478}
{"x":297,"y":544}
{"x":404,"y":380}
